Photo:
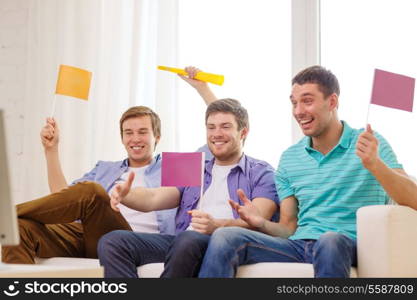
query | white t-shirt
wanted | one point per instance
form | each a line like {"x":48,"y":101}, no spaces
{"x":215,"y":200}
{"x":139,"y":221}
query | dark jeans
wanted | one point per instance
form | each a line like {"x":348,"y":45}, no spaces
{"x":121,"y":252}
{"x":185,"y":255}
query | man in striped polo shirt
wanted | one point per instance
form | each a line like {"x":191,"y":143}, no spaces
{"x":322,"y":181}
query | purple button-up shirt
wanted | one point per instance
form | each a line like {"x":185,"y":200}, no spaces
{"x":255,"y":177}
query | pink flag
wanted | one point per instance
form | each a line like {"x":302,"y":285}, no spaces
{"x":393,"y":90}
{"x":182,"y":169}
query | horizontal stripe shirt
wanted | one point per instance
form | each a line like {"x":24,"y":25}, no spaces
{"x":330,"y":188}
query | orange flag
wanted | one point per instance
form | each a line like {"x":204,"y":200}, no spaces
{"x":73,"y":82}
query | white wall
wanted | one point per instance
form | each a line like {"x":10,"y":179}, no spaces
{"x":107,"y":38}
{"x":256,"y":67}
{"x":13,"y":62}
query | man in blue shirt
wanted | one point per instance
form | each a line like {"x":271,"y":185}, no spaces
{"x":70,"y":221}
{"x":321,"y":181}
{"x":229,"y":175}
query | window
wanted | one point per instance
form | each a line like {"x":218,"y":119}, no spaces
{"x":249,"y":42}
{"x":359,"y":36}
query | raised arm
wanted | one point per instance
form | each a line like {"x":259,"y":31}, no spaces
{"x":50,"y":140}
{"x":144,"y":199}
{"x":398,"y":185}
{"x":201,"y":87}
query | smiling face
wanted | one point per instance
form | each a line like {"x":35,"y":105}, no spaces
{"x":224,"y":139}
{"x":139,"y":140}
{"x":312,"y":111}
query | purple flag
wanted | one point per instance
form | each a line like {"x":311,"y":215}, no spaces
{"x":182,"y":169}
{"x":393,"y":90}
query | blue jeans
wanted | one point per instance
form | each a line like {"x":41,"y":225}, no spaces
{"x":332,"y":254}
{"x":120,"y":252}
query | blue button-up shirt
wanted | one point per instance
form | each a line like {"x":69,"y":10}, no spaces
{"x":107,"y":173}
{"x":254,"y":177}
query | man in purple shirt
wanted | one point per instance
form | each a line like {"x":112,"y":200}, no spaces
{"x":231,"y":176}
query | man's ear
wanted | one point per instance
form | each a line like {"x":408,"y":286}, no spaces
{"x":157,"y":139}
{"x":245,"y":132}
{"x":334,"y":101}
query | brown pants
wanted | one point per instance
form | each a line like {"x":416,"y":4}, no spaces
{"x":47,"y":226}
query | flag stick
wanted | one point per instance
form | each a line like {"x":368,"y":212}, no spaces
{"x":370,"y":100}
{"x":367,"y":115}
{"x":53,"y":106}
{"x":203,"y":167}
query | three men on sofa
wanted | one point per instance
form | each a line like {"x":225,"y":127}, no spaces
{"x":321,"y":182}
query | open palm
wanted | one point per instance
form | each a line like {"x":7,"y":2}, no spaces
{"x":248,"y":212}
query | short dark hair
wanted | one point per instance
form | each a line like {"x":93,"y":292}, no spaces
{"x":142,"y":111}
{"x":232,"y":106}
{"x":325,"y":79}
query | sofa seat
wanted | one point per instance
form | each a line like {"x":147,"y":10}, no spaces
{"x":260,"y":270}
{"x":280,"y":270}
{"x":387,"y":247}
{"x":145,"y":271}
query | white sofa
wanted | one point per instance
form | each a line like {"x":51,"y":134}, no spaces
{"x":387,"y":247}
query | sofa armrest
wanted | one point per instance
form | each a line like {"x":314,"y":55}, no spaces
{"x":387,"y":241}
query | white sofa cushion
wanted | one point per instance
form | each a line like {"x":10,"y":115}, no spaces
{"x":387,"y":241}
{"x":145,"y":271}
{"x":260,"y":270}
{"x":280,"y":270}
{"x":275,"y":270}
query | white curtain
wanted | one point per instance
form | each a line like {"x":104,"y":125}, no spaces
{"x":121,"y":43}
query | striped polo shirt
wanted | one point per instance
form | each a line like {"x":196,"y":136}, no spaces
{"x":330,"y":188}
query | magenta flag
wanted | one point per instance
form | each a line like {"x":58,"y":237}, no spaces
{"x":393,"y":90}
{"x":182,"y":169}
